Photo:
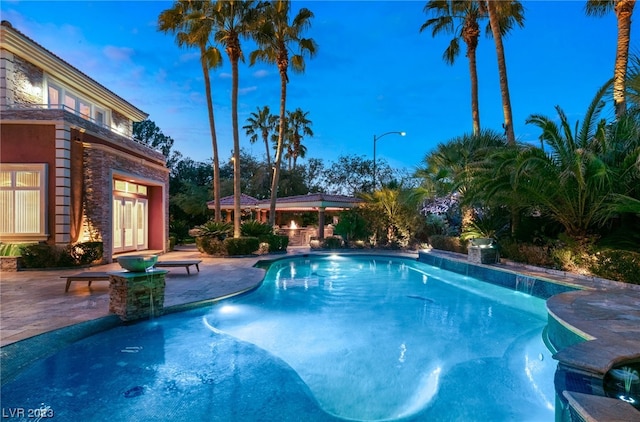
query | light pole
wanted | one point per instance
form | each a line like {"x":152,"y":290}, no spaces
{"x":375,"y":139}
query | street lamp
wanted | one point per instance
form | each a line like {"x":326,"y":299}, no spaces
{"x":375,"y":139}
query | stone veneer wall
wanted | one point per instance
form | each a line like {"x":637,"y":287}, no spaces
{"x":99,"y":166}
{"x":137,"y":295}
{"x":121,"y":122}
{"x":22,"y":81}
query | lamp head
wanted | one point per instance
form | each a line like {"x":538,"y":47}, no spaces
{"x":403,"y":133}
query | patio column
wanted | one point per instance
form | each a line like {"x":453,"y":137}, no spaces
{"x":321,"y":223}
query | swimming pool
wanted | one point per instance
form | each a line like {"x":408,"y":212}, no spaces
{"x":323,"y":338}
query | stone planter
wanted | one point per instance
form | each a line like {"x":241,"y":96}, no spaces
{"x":9,"y":263}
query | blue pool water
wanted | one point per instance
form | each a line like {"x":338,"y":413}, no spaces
{"x":322,"y":339}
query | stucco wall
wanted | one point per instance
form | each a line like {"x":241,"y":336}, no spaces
{"x":23,"y":143}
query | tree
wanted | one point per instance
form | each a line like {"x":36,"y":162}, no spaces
{"x":299,"y":126}
{"x":149,"y":134}
{"x":260,"y":124}
{"x":574,"y":183}
{"x":446,"y":14}
{"x":234,"y":19}
{"x":502,"y":16}
{"x":277,"y":37}
{"x":633,"y":83}
{"x":449,"y":168}
{"x":192,"y":23}
{"x":623,"y":10}
{"x":351,"y":175}
{"x":397,"y":211}
{"x":189,"y":191}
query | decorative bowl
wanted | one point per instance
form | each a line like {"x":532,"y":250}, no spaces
{"x":137,"y":263}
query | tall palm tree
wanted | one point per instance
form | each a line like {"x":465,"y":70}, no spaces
{"x":623,"y":10}
{"x":260,"y":124}
{"x":277,"y":39}
{"x":460,"y":19}
{"x":234,"y":19}
{"x":502,"y":16}
{"x":299,"y":126}
{"x":192,"y":25}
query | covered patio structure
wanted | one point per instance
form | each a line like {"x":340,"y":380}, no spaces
{"x":313,"y":202}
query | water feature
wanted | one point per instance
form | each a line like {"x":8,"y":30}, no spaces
{"x":322,"y":339}
{"x":525,"y":284}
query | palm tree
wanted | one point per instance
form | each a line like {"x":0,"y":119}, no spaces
{"x":574,"y":182}
{"x":451,"y":168}
{"x":633,"y":83}
{"x":260,"y":124}
{"x":395,"y":210}
{"x":234,"y":19}
{"x":502,"y":16}
{"x":299,"y":126}
{"x":623,"y":10}
{"x":191,"y":22}
{"x":446,"y":14}
{"x":277,"y":38}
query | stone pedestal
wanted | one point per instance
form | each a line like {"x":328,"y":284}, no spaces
{"x":136,"y":295}
{"x":482,"y":255}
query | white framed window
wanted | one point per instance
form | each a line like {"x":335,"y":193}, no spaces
{"x":61,"y":97}
{"x":54,"y":96}
{"x":99,"y":116}
{"x":23,"y":202}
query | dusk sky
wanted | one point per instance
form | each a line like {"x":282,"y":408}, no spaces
{"x":374,"y":72}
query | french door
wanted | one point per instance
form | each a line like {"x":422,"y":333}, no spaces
{"x":130,"y":224}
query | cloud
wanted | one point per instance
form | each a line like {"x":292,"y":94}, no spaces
{"x":243,"y":91}
{"x":118,"y":53}
{"x":260,"y":73}
{"x":225,"y":75}
{"x":188,"y":57}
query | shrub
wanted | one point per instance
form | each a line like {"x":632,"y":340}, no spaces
{"x":87,"y":252}
{"x":41,"y":255}
{"x":352,"y":226}
{"x":527,"y":253}
{"x":276,"y":242}
{"x":241,"y":245}
{"x":448,"y":243}
{"x":216,"y":229}
{"x":179,"y":230}
{"x":211,"y":245}
{"x":257,"y":229}
{"x":332,"y":242}
{"x":10,"y":249}
{"x":617,"y":265}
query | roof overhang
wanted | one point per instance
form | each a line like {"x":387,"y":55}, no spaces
{"x":21,"y":45}
{"x":311,"y":202}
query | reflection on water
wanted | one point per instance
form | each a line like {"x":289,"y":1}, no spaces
{"x":339,"y":324}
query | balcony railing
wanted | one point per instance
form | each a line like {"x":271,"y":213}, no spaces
{"x":76,"y":113}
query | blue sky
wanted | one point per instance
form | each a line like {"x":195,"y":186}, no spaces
{"x":373,"y":73}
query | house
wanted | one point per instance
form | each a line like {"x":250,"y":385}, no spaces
{"x":70,"y":170}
